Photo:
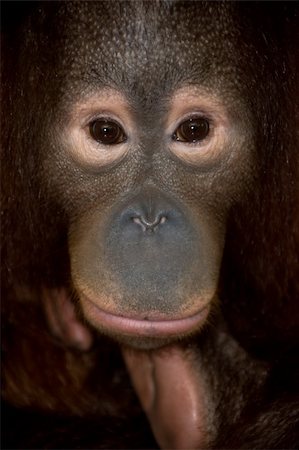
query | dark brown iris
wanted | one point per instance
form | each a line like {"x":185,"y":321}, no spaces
{"x":194,"y":129}
{"x":106,"y":132}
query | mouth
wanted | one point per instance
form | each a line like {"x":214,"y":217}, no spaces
{"x":114,"y":324}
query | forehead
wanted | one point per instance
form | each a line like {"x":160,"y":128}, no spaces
{"x":147,"y":47}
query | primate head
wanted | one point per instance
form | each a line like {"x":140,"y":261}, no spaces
{"x":150,"y":180}
{"x":149,"y":146}
{"x":146,"y":138}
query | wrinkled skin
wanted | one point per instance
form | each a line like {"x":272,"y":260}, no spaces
{"x":145,"y":245}
{"x":134,"y":280}
{"x":156,"y":162}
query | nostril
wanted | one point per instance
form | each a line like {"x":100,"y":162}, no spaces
{"x":148,"y":224}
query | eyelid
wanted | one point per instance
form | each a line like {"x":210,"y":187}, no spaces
{"x":202,"y":152}
{"x":102,"y":116}
{"x":193,"y":115}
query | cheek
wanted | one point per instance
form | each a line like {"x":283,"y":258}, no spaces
{"x":170,"y":274}
{"x":78,"y":189}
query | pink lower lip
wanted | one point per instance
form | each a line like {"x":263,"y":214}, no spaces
{"x":150,"y":328}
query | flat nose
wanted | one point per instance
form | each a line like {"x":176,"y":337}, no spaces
{"x":150,"y":212}
{"x":150,"y":224}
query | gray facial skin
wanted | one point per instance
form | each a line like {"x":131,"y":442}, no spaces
{"x":150,"y":174}
{"x":148,"y":81}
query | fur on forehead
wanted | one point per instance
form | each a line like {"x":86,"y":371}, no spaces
{"x":144,"y":46}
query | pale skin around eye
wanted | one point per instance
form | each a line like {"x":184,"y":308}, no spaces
{"x":110,"y":105}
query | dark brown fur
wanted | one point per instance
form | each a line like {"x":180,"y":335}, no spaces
{"x":55,"y":397}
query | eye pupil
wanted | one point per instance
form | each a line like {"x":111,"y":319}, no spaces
{"x":192,"y":130}
{"x":106,"y":132}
